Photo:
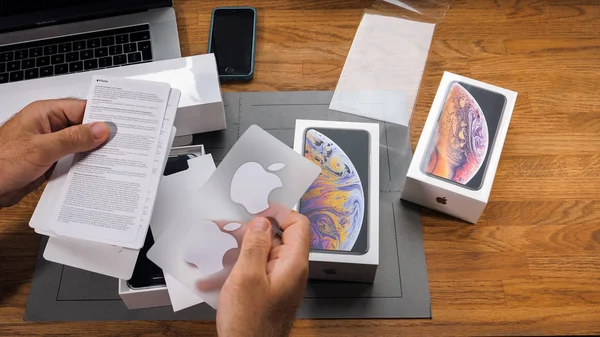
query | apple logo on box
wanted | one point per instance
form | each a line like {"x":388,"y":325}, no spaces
{"x":205,"y":241}
{"x":252,"y":184}
{"x":441,"y":200}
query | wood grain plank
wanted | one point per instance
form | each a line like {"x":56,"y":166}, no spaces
{"x":475,"y":15}
{"x":551,"y":239}
{"x":520,"y":9}
{"x":574,"y":11}
{"x":497,"y":25}
{"x":558,"y":143}
{"x":549,"y":292}
{"x":449,"y":322}
{"x":482,"y":4}
{"x":131,"y":328}
{"x":564,"y":265}
{"x":571,"y":103}
{"x":520,"y":166}
{"x":515,"y":166}
{"x":546,"y":188}
{"x":19,"y":245}
{"x":476,"y":265}
{"x":15,"y":219}
{"x":466,"y":294}
{"x":194,"y":6}
{"x":524,"y":116}
{"x":550,"y":46}
{"x":521,"y":321}
{"x":556,"y":212}
{"x":577,"y":320}
{"x":543,"y":64}
{"x":582,"y":82}
{"x":464,"y":48}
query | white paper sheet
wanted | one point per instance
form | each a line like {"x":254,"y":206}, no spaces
{"x":97,"y":257}
{"x":105,"y":192}
{"x":383,"y":70}
{"x":101,"y":258}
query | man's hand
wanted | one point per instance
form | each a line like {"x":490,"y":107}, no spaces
{"x":37,"y":137}
{"x":266,"y":285}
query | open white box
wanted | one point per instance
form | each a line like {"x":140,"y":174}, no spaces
{"x":143,"y":298}
{"x":342,"y":266}
{"x":175,"y":190}
{"x":445,"y":195}
{"x":200,"y":107}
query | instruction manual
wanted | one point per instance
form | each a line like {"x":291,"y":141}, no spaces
{"x":107,"y":195}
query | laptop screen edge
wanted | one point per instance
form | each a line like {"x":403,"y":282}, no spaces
{"x":86,"y":11}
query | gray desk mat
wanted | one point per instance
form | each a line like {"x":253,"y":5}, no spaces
{"x":400,"y":290}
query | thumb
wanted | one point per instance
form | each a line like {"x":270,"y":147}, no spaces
{"x":74,"y":139}
{"x":256,"y":246}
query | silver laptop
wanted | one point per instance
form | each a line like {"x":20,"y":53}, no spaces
{"x":46,"y":38}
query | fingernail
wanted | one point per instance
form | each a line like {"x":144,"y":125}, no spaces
{"x":99,"y":130}
{"x":261,"y":224}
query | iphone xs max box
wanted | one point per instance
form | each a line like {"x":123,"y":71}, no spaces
{"x":456,"y":158}
{"x":342,"y":204}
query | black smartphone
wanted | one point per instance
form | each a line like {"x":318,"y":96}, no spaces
{"x":464,"y":136}
{"x":232,"y":40}
{"x":146,"y":274}
{"x":337,"y":202}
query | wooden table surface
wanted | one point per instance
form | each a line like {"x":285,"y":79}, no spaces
{"x":531,"y":266}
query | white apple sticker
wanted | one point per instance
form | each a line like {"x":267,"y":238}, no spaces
{"x":252,"y":184}
{"x":205,"y":245}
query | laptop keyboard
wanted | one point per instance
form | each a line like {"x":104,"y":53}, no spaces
{"x":75,"y":53}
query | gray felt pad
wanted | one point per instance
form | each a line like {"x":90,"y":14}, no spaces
{"x":400,"y":290}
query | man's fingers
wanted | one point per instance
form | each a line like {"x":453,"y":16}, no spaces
{"x":74,"y":139}
{"x":272,"y":266}
{"x":61,"y":113}
{"x":289,"y":262}
{"x":255,"y":248}
{"x":278,"y":251}
{"x":296,"y":233}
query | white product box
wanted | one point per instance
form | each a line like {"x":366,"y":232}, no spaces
{"x":455,"y":162}
{"x":348,"y":266}
{"x":200,"y":107}
{"x":143,"y":298}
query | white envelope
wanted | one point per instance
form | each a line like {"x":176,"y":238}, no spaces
{"x":171,"y":199}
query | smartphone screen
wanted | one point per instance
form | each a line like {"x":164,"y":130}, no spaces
{"x":460,"y":147}
{"x":146,"y":274}
{"x":232,"y":40}
{"x":337,"y":202}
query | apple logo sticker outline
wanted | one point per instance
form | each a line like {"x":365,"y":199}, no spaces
{"x":441,"y":200}
{"x":251,"y":185}
{"x":205,"y":245}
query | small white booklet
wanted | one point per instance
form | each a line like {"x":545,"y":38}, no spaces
{"x":107,"y":195}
